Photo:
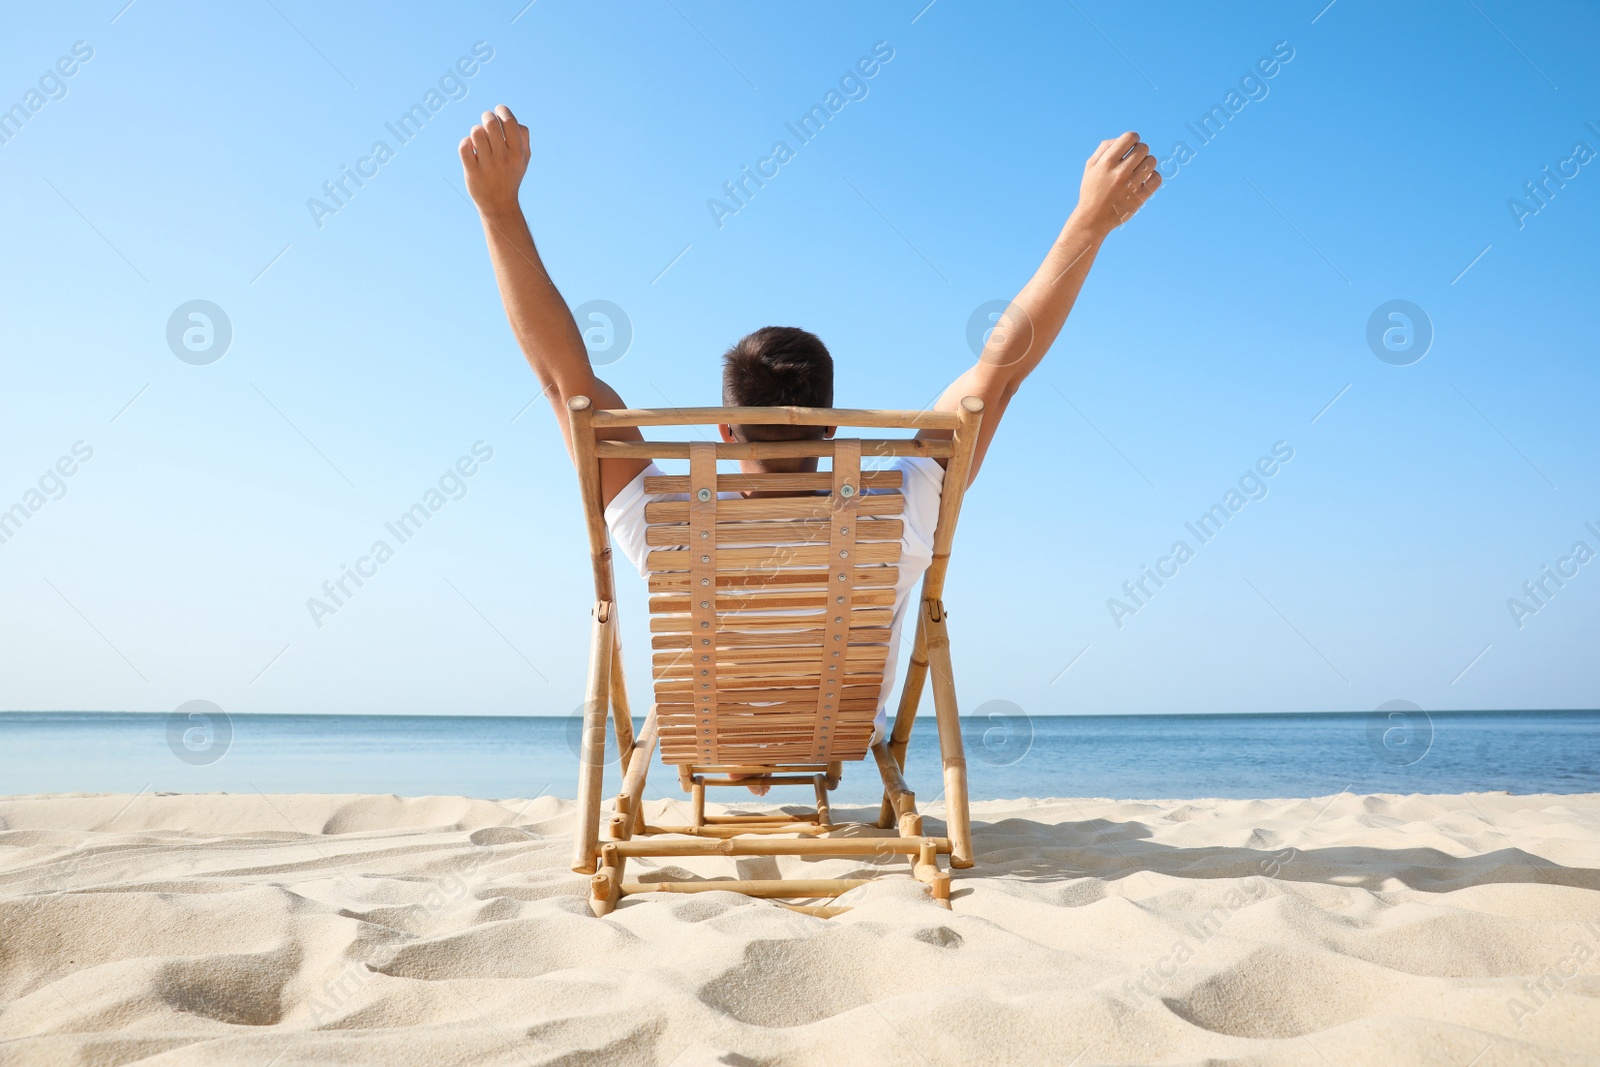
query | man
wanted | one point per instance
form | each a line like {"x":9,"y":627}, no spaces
{"x":782,"y":365}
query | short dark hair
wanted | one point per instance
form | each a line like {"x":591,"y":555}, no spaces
{"x":778,"y":366}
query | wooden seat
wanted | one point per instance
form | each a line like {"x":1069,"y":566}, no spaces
{"x":770,"y":623}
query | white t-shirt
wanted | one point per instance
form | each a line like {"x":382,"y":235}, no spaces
{"x":921,"y":479}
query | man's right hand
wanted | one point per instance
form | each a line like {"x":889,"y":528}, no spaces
{"x":1117,"y":180}
{"x":494,"y":157}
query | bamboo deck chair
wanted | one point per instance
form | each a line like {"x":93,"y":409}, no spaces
{"x":770,"y":622}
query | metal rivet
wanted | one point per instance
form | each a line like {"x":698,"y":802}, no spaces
{"x":705,"y":559}
{"x":704,"y":673}
{"x":843,"y":554}
{"x":836,"y":652}
{"x":844,"y":529}
{"x":704,"y":495}
{"x":839,"y":600}
{"x":707,"y":581}
{"x":847,"y":489}
{"x":844,"y":577}
{"x":705,"y":640}
{"x":838,"y":619}
{"x":707,"y":659}
{"x":705,"y":535}
{"x":705,"y":604}
{"x":704,"y":625}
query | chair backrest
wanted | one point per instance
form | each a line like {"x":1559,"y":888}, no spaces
{"x":770,"y":615}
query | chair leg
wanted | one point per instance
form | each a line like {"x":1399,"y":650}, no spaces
{"x":605,"y":887}
{"x":592,"y":755}
{"x":621,"y":713}
{"x":629,"y":817}
{"x":824,"y":812}
{"x":905,"y":715}
{"x":957,"y":814}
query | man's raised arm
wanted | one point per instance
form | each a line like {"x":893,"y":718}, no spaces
{"x":494,"y":157}
{"x":1117,"y":180}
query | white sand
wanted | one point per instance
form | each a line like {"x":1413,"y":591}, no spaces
{"x":334,"y":929}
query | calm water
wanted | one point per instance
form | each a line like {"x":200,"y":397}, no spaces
{"x":1107,"y":756}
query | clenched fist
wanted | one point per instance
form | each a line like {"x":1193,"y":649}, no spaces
{"x":1117,"y":180}
{"x":494,"y":157}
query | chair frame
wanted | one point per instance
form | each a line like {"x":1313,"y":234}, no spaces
{"x":775,"y":834}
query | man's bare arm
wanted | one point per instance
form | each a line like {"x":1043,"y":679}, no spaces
{"x":1119,"y":177}
{"x":494,"y":158}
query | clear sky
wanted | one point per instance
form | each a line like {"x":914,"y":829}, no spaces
{"x":368,"y":352}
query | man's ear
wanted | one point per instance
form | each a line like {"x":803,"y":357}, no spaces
{"x":727,"y":434}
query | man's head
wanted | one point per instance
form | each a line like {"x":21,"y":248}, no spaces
{"x":778,"y":366}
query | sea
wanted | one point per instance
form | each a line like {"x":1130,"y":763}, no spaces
{"x":201,"y":749}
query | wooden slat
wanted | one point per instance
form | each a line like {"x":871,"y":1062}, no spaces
{"x":762,"y":717}
{"x":677,"y":714}
{"x":793,"y":507}
{"x":770,"y":731}
{"x":799,"y":482}
{"x":862,"y":635}
{"x":800,"y":620}
{"x":732,"y":560}
{"x":725,"y":603}
{"x":790,"y":654}
{"x":871,"y":418}
{"x":810,"y":578}
{"x":764,"y":676}
{"x":792,"y":661}
{"x":775,"y":699}
{"x":872,"y":447}
{"x":772,"y":532}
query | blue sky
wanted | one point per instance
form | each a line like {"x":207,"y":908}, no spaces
{"x":369,"y":353}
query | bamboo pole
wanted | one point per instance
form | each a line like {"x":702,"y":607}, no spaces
{"x":957,"y":814}
{"x":799,"y":888}
{"x":630,"y":799}
{"x":773,"y":846}
{"x":621,"y":713}
{"x":824,"y":816}
{"x":698,"y":795}
{"x":592,"y":752}
{"x":880,"y":446}
{"x":580,"y":416}
{"x":777,"y":416}
{"x":905,"y":716}
{"x":927,"y":870}
{"x":809,"y":828}
{"x":894,"y":783}
{"x":957,"y":476}
{"x":591,"y":766}
{"x":958,"y":472}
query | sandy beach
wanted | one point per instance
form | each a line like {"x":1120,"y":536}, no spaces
{"x":374,"y":929}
